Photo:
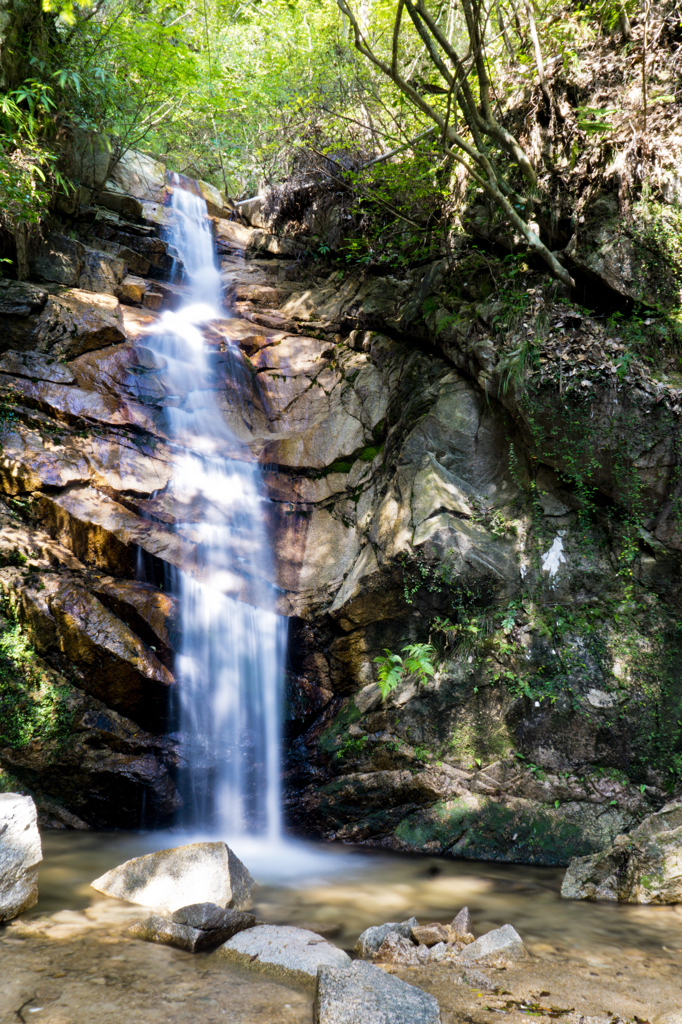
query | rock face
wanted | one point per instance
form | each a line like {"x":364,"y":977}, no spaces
{"x":171,"y":879}
{"x":364,"y":994}
{"x":20,"y":855}
{"x":286,"y":953}
{"x":419,"y":484}
{"x":642,"y":867}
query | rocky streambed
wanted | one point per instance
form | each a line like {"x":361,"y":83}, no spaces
{"x":75,"y":950}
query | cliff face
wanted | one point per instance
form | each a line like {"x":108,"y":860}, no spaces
{"x":457,"y":453}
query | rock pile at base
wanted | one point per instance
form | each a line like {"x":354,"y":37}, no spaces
{"x":644,"y":866}
{"x":410,"y":944}
{"x":173,"y":879}
{"x":364,"y":994}
{"x":20,"y":854}
{"x":195,"y":928}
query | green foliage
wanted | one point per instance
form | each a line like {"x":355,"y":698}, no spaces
{"x":34,"y":703}
{"x":418,"y":661}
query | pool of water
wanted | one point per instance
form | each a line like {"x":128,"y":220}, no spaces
{"x":341,"y":890}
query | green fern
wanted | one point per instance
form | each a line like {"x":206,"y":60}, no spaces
{"x":393,"y":668}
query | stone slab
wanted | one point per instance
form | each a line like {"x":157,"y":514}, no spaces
{"x":282,"y":951}
{"x":364,"y":994}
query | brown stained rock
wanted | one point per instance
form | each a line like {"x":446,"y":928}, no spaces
{"x":232,"y":234}
{"x":104,"y":533}
{"x":152,"y":300}
{"x":131,"y":290}
{"x":113,"y":664}
{"x":35,"y":366}
{"x":429,"y":934}
{"x":151,"y":613}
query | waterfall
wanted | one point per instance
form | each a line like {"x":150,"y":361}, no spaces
{"x":229,"y":664}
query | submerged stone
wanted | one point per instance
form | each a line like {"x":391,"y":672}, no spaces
{"x":195,"y":928}
{"x":364,"y":994}
{"x":171,"y":879}
{"x":20,"y":854}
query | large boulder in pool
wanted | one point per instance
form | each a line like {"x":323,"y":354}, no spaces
{"x":171,"y":879}
{"x":20,"y":854}
{"x":644,"y":866}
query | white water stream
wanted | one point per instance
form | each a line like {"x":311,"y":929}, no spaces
{"x":229,"y":665}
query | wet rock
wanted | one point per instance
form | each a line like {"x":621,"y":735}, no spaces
{"x":429,"y":934}
{"x":20,"y":855}
{"x":371,"y":939}
{"x":175,"y":878}
{"x":396,"y":949}
{"x":364,"y":994}
{"x":503,"y":943}
{"x":71,"y":322}
{"x":286,"y":953}
{"x":195,"y":928}
{"x":167,"y":932}
{"x":642,"y":867}
{"x":35,"y":366}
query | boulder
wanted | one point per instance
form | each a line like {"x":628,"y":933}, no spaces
{"x":215,"y":925}
{"x":175,"y":878}
{"x":642,"y":867}
{"x":429,"y":934}
{"x":20,"y":855}
{"x":215,"y":203}
{"x":503,"y":943}
{"x":364,"y":994}
{"x":371,"y":939}
{"x":286,"y":953}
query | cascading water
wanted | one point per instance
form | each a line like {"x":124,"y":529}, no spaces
{"x":229,"y":665}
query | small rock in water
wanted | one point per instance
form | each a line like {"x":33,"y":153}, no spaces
{"x":195,"y":928}
{"x":20,"y":854}
{"x":286,"y":953}
{"x":171,"y":879}
{"x":364,"y":994}
{"x":371,"y":939}
{"x":396,"y":949}
{"x":504,"y":943}
{"x":429,"y":934}
{"x":462,"y":923}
